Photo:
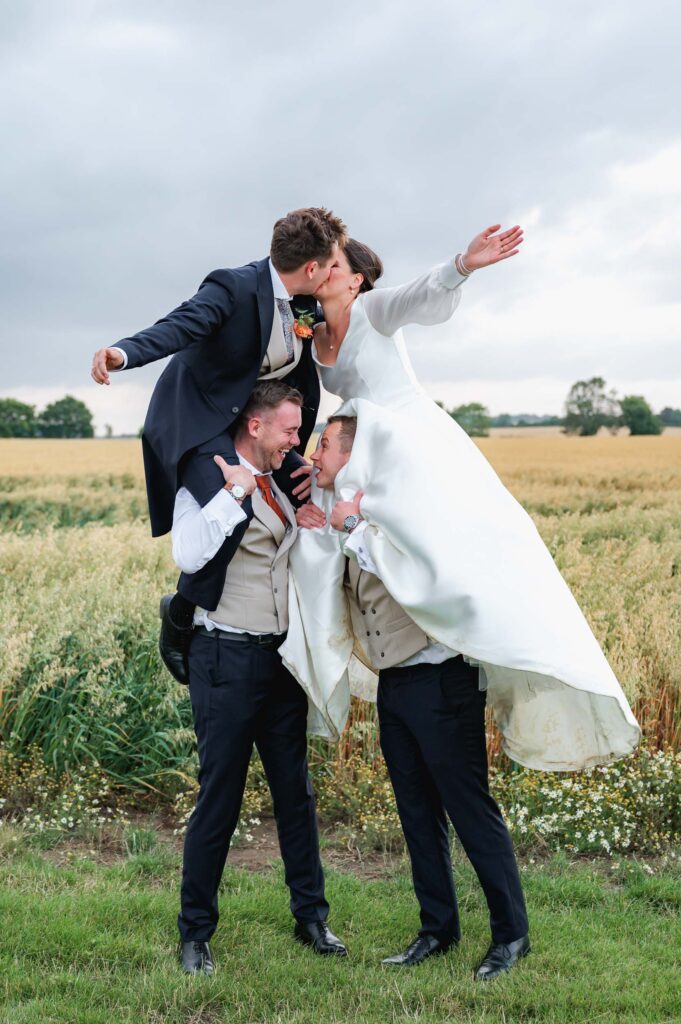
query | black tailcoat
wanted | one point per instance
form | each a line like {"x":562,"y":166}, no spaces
{"x":219,"y":338}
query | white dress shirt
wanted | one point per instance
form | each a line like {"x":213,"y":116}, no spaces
{"x":278,"y":287}
{"x":198,"y":534}
{"x":433,"y":653}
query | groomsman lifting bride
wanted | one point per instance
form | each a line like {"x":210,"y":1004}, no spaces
{"x":482,"y":606}
{"x":431,"y":714}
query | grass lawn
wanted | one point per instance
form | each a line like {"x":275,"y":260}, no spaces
{"x":90,"y":943}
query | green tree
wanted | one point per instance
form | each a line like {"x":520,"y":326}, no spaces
{"x":638,"y":416}
{"x":671,"y":417}
{"x":474,"y":418}
{"x":16,"y":418}
{"x":589,"y":407}
{"x":69,"y":417}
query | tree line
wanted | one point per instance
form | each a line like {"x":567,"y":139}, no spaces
{"x":589,"y":406}
{"x":67,"y":417}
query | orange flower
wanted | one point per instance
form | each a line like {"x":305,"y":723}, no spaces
{"x":302,"y":330}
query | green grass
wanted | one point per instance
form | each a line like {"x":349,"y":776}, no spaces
{"x":92,"y":944}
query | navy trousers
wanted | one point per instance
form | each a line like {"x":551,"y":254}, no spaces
{"x":241,"y":694}
{"x":432,"y":723}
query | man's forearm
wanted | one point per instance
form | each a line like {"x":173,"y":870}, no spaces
{"x":193,"y":321}
{"x":198,"y":533}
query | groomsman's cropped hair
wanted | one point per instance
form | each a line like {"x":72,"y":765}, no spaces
{"x":346,"y":434}
{"x":267,"y":396}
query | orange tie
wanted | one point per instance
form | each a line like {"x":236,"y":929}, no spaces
{"x":265,"y":487}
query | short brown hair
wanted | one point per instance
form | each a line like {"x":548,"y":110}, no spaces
{"x":304,"y":235}
{"x":364,"y":261}
{"x":346,"y":434}
{"x":268,"y":395}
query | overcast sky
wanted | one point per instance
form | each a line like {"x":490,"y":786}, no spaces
{"x":147,"y":143}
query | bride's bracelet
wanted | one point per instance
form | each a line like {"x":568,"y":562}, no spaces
{"x":461,"y":266}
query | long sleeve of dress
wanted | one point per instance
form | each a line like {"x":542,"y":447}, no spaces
{"x":428,"y":299}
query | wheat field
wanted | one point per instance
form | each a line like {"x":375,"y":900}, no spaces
{"x":81,"y":577}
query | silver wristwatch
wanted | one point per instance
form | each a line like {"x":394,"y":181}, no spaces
{"x":350,"y":522}
{"x":237,"y":491}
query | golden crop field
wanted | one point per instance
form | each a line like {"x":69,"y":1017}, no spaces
{"x":57,"y":459}
{"x":79,"y":565}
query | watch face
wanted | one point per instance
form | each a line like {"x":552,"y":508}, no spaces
{"x":350,"y":522}
{"x":238,"y":491}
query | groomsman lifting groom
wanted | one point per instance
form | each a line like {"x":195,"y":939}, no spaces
{"x":241,"y":693}
{"x":238,"y":329}
{"x":431,"y":715}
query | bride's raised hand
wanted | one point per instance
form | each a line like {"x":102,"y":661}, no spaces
{"x":489,"y":247}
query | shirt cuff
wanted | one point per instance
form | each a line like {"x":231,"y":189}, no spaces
{"x":225,"y":510}
{"x":450,"y":276}
{"x":125,"y":359}
{"x":355,"y":547}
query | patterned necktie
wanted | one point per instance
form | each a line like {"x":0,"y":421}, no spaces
{"x":265,"y":488}
{"x":287,"y":320}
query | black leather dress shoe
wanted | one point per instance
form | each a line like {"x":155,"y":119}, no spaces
{"x":501,"y":957}
{"x":196,"y":958}
{"x":318,"y":935}
{"x":173,"y":643}
{"x":421,"y":948}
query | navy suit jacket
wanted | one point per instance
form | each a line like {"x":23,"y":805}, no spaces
{"x":219,"y":338}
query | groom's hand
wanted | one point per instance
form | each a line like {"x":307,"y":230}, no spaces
{"x":342,"y":509}
{"x":489,"y":247}
{"x":304,"y":489}
{"x":310,"y":517}
{"x":105,"y":359}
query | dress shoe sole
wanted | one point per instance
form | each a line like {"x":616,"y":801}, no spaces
{"x":180,"y":675}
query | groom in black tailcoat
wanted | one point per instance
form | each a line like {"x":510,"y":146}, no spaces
{"x":243,"y":325}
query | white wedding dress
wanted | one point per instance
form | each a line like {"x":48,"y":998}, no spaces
{"x":454,"y":549}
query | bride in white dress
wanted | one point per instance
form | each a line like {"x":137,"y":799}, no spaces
{"x":451,"y":544}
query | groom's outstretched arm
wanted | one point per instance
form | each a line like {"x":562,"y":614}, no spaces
{"x":193,"y":320}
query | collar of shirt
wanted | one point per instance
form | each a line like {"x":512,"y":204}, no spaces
{"x":256,"y":472}
{"x":278,"y":287}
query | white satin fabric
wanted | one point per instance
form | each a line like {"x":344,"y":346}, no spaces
{"x":455,"y":550}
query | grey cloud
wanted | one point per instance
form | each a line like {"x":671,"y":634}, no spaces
{"x":582,"y":358}
{"x":148,"y":143}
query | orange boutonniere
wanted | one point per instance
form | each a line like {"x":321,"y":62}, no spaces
{"x":304,"y":324}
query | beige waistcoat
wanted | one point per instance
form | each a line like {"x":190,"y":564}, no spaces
{"x":384,"y":631}
{"x":255,"y":595}
{"x":276,"y":364}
